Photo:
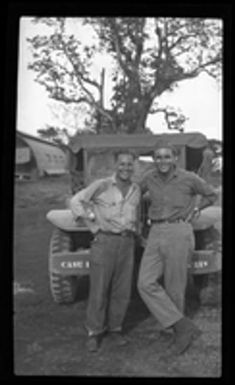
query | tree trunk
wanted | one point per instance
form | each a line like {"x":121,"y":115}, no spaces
{"x":143,"y":109}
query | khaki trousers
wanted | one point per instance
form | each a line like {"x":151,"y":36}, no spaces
{"x":111,"y":268}
{"x":167,"y":254}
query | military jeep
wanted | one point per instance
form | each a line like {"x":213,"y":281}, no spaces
{"x":91,"y":157}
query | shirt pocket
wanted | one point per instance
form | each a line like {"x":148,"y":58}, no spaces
{"x":107,"y":206}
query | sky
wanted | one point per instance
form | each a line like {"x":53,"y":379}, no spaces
{"x":199,"y":99}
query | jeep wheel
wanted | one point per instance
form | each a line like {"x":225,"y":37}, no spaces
{"x":211,"y":292}
{"x":211,"y":286}
{"x":63,"y":288}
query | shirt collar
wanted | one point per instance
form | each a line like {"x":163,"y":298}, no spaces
{"x":175,"y":172}
{"x":114,"y":181}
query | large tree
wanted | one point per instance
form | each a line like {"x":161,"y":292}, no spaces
{"x":150,"y":56}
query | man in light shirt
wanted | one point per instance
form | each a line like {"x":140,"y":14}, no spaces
{"x":110,"y":207}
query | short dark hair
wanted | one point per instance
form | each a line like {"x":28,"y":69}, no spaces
{"x":124,"y":152}
{"x":162,"y":143}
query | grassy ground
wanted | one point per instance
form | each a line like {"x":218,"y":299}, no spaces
{"x":49,"y":339}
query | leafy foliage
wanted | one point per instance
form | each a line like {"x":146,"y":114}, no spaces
{"x":55,"y":135}
{"x":151,"y":56}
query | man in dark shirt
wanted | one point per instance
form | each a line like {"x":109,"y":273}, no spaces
{"x":172,"y":193}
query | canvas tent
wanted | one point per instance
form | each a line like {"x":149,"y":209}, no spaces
{"x":142,"y":141}
{"x":36,"y":157}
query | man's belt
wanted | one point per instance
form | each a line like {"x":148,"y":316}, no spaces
{"x":124,"y":233}
{"x":154,"y":221}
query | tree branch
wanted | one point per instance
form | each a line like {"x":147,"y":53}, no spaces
{"x":160,"y":39}
{"x":181,"y":38}
{"x":75,"y":67}
{"x":157,"y":90}
{"x":165,"y":112}
{"x":70,"y":100}
{"x":117,"y":45}
{"x":137,"y":40}
{"x":183,"y":50}
{"x":79,"y":76}
{"x":176,"y":123}
{"x":177,"y":29}
{"x":87,"y":80}
{"x":201,"y":67}
{"x":158,"y":32}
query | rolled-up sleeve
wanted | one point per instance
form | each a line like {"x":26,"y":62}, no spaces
{"x":80,"y":202}
{"x":207,"y":192}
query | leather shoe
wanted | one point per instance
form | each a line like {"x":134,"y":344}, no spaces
{"x":185,"y":333}
{"x":118,"y":338}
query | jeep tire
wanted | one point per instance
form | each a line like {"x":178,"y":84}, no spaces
{"x":63,"y":288}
